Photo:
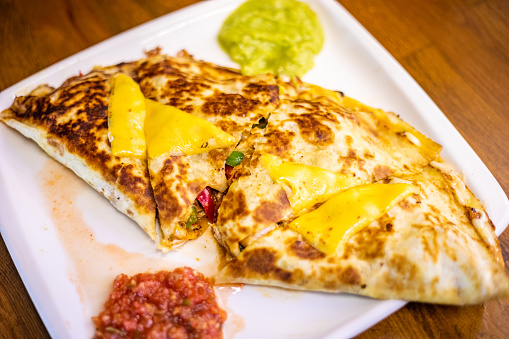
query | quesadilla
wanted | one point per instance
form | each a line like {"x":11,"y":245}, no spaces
{"x":70,"y":123}
{"x":425,"y":248}
{"x":323,"y":193}
{"x":225,"y":99}
{"x":337,"y":196}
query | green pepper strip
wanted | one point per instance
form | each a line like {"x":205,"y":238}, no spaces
{"x":235,"y":158}
{"x":192,"y":218}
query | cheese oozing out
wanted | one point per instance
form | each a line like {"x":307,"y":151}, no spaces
{"x":170,"y":131}
{"x":126,"y":117}
{"x":347,"y":212}
{"x":309,"y":185}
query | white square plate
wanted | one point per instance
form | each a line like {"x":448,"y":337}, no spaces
{"x":68,"y":243}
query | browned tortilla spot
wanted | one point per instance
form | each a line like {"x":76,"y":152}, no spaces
{"x":270,"y":90}
{"x":369,"y":243}
{"x":279,"y":142}
{"x":160,"y":68}
{"x":313,"y":130}
{"x":234,"y":206}
{"x":195,"y":188}
{"x":219,"y":155}
{"x":429,"y":242}
{"x":349,"y":159}
{"x":350,"y":276}
{"x":167,"y":202}
{"x":167,"y":167}
{"x":338,"y":275}
{"x":348,"y":140}
{"x":131,"y":184}
{"x":405,"y":204}
{"x":243,"y":229}
{"x":181,"y":165}
{"x":369,"y":155}
{"x":223,"y":104}
{"x":269,"y":212}
{"x":305,"y":251}
{"x":381,"y":172}
{"x":230,"y":126}
{"x":404,"y":271}
{"x":261,"y":261}
{"x":179,"y":90}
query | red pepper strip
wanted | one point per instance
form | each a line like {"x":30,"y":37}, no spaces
{"x":207,"y":202}
{"x":228,"y":171}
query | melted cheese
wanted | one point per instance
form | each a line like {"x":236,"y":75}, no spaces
{"x":427,"y":147}
{"x":126,"y":116}
{"x":347,"y":212}
{"x":171,"y":131}
{"x":308,"y":91}
{"x":308,"y":185}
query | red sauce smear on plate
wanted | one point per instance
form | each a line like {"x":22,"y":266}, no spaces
{"x":177,"y":304}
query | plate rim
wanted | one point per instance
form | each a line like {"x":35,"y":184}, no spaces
{"x":181,"y":17}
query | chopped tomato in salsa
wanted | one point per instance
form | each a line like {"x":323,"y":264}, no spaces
{"x":178,"y":304}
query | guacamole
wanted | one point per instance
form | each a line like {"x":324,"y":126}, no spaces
{"x":276,"y":36}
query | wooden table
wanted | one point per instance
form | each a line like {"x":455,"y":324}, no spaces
{"x":457,"y":50}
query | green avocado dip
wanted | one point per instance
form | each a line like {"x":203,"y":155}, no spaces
{"x":272,"y":36}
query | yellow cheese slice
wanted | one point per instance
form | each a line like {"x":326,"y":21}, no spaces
{"x":427,"y":147}
{"x":347,"y":212}
{"x":309,"y":91}
{"x":171,"y":131}
{"x":126,"y":116}
{"x":309,"y":184}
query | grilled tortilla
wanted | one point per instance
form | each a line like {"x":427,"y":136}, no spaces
{"x":70,"y":123}
{"x":437,"y":245}
{"x":221,"y":96}
{"x":314,"y":130}
{"x":430,"y":248}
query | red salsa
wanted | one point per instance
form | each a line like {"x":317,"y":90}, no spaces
{"x":178,"y":304}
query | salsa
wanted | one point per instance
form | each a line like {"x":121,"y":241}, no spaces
{"x":272,"y":36}
{"x":177,"y":304}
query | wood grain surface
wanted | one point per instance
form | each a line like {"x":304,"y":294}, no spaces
{"x":457,"y":50}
